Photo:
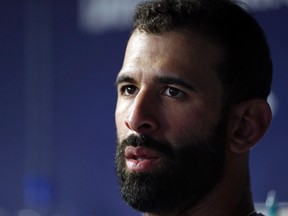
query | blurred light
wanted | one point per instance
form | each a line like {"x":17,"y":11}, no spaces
{"x":265,"y":4}
{"x":102,"y":15}
{"x":28,"y":212}
{"x":273,"y":102}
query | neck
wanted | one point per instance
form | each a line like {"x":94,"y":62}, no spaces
{"x":232,"y":197}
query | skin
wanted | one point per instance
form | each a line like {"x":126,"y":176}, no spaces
{"x":192,"y":108}
{"x":190,"y":103}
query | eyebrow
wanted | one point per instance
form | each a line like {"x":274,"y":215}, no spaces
{"x":124,"y":78}
{"x":173,"y":80}
{"x":168,"y":80}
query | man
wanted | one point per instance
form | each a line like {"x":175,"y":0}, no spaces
{"x":191,"y":104}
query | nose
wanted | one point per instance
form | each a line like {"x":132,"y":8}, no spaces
{"x":143,"y":116}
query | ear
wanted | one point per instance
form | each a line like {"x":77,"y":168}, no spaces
{"x":248,"y":122}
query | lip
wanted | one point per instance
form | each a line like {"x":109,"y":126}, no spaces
{"x":141,"y":159}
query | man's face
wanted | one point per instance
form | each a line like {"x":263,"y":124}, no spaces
{"x":170,"y":128}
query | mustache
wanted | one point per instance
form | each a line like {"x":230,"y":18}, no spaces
{"x":148,"y":142}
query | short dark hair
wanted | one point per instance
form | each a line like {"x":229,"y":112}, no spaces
{"x":247,"y":69}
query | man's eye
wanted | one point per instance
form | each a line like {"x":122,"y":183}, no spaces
{"x":128,"y":90}
{"x":173,"y":92}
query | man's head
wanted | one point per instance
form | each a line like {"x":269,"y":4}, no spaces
{"x":191,"y":93}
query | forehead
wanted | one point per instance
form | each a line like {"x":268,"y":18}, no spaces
{"x":187,"y":56}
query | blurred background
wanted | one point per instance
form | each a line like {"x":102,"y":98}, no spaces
{"x":58,"y":63}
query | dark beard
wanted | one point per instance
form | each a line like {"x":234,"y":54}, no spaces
{"x":186,"y":174}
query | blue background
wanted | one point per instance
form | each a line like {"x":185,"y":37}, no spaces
{"x":57,"y":100}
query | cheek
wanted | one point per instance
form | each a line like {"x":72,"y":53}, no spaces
{"x":120,"y":115}
{"x":119,"y":111}
{"x":192,"y":122}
